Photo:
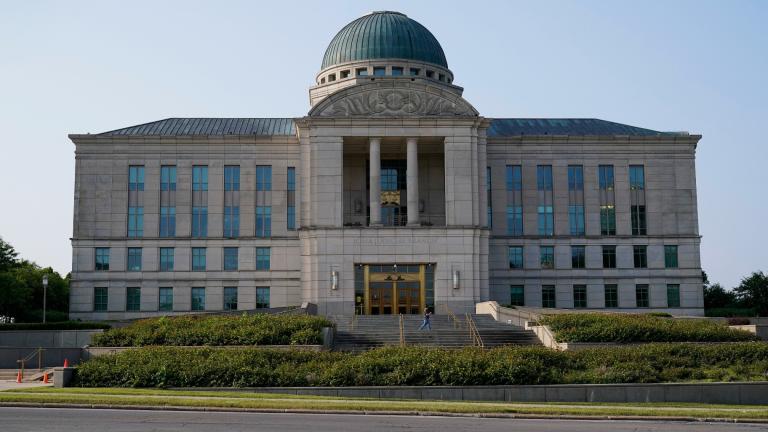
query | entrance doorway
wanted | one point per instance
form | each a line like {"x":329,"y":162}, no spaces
{"x":394,"y":289}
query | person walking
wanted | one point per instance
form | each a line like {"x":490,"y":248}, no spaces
{"x":426,"y":323}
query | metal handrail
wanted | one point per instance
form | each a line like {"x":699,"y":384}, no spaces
{"x":37,"y":352}
{"x":456,"y":322}
{"x":402,"y":331}
{"x":353,"y":322}
{"x":474,"y":333}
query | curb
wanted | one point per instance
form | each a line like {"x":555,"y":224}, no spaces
{"x":379,"y":413}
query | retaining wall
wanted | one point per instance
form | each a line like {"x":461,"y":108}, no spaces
{"x":47,"y":338}
{"x":51,"y":357}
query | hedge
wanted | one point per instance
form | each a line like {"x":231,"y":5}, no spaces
{"x":603,"y":327}
{"x":197,"y":330}
{"x":252,"y":367}
{"x":64,"y":325}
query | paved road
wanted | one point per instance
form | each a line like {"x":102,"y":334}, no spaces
{"x":99,"y":420}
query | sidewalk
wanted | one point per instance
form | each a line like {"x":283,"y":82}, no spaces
{"x":11,"y":384}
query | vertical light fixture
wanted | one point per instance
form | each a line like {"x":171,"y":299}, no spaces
{"x":334,"y":280}
{"x":45,"y":294}
{"x":456,"y":275}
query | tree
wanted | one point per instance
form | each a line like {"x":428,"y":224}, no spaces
{"x":753,"y":292}
{"x":715,"y":296}
{"x":8,"y":256}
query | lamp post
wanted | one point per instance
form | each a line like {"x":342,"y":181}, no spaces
{"x":45,"y":294}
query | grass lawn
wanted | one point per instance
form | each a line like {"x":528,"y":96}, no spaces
{"x":261,"y":401}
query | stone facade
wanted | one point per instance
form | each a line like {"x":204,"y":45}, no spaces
{"x":337,"y":156}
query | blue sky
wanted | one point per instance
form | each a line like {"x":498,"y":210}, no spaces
{"x":91,"y":66}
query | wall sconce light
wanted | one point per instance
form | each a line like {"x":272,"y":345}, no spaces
{"x":456,"y":275}
{"x":334,"y":280}
{"x":358,"y":206}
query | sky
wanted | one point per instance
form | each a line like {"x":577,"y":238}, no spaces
{"x":92,"y":66}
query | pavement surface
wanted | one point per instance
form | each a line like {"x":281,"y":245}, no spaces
{"x":7,"y":385}
{"x":93,"y":420}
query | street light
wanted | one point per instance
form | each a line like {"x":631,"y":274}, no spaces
{"x":45,"y":294}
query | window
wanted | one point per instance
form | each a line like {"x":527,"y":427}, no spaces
{"x":578,"y":257}
{"x":199,"y":201}
{"x":545,"y":208}
{"x":515,"y":220}
{"x":322,"y":80}
{"x":331,"y":77}
{"x":198,"y":259}
{"x":389,"y":179}
{"x":609,"y":256}
{"x":576,"y":219}
{"x":576,"y":199}
{"x":291,"y":199}
{"x":361,"y":71}
{"x":134,"y":259}
{"x":515,"y":257}
{"x":517,"y":295}
{"x":263,"y":221}
{"x":441,"y":77}
{"x":262,"y":258}
{"x":262,"y":297}
{"x":166,"y":259}
{"x":136,"y":178}
{"x":231,"y":221}
{"x":167,"y":221}
{"x":611,"y":296}
{"x":415,"y":71}
{"x":514,"y":187}
{"x":344,"y":74}
{"x":231,"y":201}
{"x":263,"y":196}
{"x":637,"y":199}
{"x":102,"y":259}
{"x":547,"y":257}
{"x":198,"y":298}
{"x":199,"y":221}
{"x":544,"y":177}
{"x":166,"y":299}
{"x":640,"y":254}
{"x":379,"y":71}
{"x":230,"y":298}
{"x":488,"y":196}
{"x":641,"y":295}
{"x":607,"y":200}
{"x":100,"y":299}
{"x":548,"y":296}
{"x":132,"y":299}
{"x":670,"y":256}
{"x":168,"y":178}
{"x":167,"y":201}
{"x":135,"y":221}
{"x":199,"y":178}
{"x":579,"y":296}
{"x":230,"y":258}
{"x":397,"y":71}
{"x":430,"y":74}
{"x":673,"y":295}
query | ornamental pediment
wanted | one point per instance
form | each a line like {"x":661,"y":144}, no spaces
{"x":392,"y":99}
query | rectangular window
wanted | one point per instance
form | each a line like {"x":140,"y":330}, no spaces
{"x":199,"y":178}
{"x":230,"y":298}
{"x":166,"y":259}
{"x":578,"y":257}
{"x":102,"y":259}
{"x":640,"y":254}
{"x":262,"y":258}
{"x":198,"y":298}
{"x":515,"y":220}
{"x":576,"y":219}
{"x":100,"y":299}
{"x":361,"y":71}
{"x":344,"y":74}
{"x":166,"y":299}
{"x":579,"y":296}
{"x":547,"y":257}
{"x":291,"y":199}
{"x":488,"y":196}
{"x":263,"y":201}
{"x":515,"y":257}
{"x":415,"y":71}
{"x":230,"y":258}
{"x":262,"y":298}
{"x":135,"y":178}
{"x":611,"y":296}
{"x":673,"y":295}
{"x":167,"y":201}
{"x":263,"y":221}
{"x":199,"y":221}
{"x":576,"y":199}
{"x":548,"y":296}
{"x":231,"y":201}
{"x":514,"y":188}
{"x":517,"y":295}
{"x":132,"y":299}
{"x":167,"y":221}
{"x":134,"y":259}
{"x":670,"y":256}
{"x":637,"y":199}
{"x":198,"y":259}
{"x":609,"y":256}
{"x":231,"y":221}
{"x":199,"y":201}
{"x":168,"y":178}
{"x":397,"y":71}
{"x":135,"y":221}
{"x":379,"y":71}
{"x":641,"y":295}
{"x":607,"y":200}
{"x":545,"y":207}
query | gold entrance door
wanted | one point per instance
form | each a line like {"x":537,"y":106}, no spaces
{"x":394,"y":289}
{"x":408,"y":297}
{"x":381,"y":297}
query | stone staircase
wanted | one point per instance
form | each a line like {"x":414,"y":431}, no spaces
{"x":30,"y":375}
{"x":371,"y":331}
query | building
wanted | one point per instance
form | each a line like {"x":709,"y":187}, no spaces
{"x":393,"y":193}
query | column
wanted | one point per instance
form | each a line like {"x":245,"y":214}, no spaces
{"x":375,"y":181}
{"x":412,"y":181}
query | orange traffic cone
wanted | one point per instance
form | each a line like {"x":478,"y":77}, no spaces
{"x":45,"y":378}
{"x":19,"y":377}
{"x":66,"y":363}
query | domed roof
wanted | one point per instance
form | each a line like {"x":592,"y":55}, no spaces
{"x":384,"y":35}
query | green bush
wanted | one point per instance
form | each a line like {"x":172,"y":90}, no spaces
{"x":624,"y":328}
{"x":198,"y":330}
{"x":253,"y":367}
{"x":730,"y":312}
{"x":65,"y":325}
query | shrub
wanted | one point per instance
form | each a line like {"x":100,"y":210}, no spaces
{"x":66,"y":325}
{"x":252,"y":367}
{"x":602,"y":327}
{"x":738,"y":321}
{"x":660,"y":314}
{"x":730,"y":312}
{"x":197,"y":330}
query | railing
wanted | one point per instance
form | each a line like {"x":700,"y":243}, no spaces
{"x":474,"y":333}
{"x":455,"y":321}
{"x":353,"y":322}
{"x":402,"y":330}
{"x":37,"y":352}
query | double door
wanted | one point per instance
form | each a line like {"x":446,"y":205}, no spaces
{"x":395,"y":293}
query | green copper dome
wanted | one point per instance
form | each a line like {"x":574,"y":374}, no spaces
{"x":384,"y":35}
